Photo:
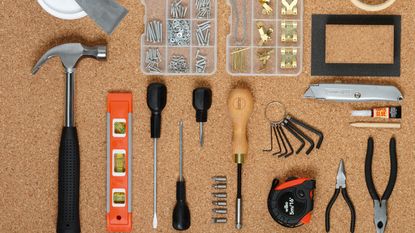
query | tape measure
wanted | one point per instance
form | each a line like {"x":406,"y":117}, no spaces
{"x":291,"y":203}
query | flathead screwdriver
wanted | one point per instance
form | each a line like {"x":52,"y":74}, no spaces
{"x":181,"y":212}
{"x":156,"y":101}
{"x":202,"y":101}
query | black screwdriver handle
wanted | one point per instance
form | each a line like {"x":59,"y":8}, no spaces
{"x":181,"y":212}
{"x":202,"y":101}
{"x":156,"y":101}
{"x":69,"y":173}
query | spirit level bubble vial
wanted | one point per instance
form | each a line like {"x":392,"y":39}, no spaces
{"x":119,"y":162}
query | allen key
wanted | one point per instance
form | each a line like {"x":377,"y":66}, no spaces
{"x":278,"y":140}
{"x":279,"y":135}
{"x":303,"y":135}
{"x":306,"y":126}
{"x":293,"y":126}
{"x":296,"y":135}
{"x":288,"y":143}
{"x":271,"y":134}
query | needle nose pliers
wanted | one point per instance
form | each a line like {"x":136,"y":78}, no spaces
{"x":380,"y":204}
{"x":341,"y":186}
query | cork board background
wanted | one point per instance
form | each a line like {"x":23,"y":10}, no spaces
{"x":31,"y":116}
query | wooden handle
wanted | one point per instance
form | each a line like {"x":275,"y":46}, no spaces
{"x":240,"y":104}
{"x":389,"y":125}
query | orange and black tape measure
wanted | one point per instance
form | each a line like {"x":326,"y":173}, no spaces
{"x":291,"y":203}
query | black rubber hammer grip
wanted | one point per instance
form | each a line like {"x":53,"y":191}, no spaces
{"x":69,"y":173}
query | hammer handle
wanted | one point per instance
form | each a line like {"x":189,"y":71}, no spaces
{"x":69,"y":173}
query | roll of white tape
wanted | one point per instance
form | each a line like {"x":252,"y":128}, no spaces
{"x":63,"y":9}
{"x":369,"y":7}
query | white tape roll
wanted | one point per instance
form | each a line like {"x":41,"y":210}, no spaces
{"x":369,"y":7}
{"x":63,"y":9}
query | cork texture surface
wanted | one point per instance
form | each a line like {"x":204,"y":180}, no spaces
{"x":359,"y":44}
{"x":32,"y":110}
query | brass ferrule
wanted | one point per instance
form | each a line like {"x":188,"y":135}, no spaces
{"x":239,"y":158}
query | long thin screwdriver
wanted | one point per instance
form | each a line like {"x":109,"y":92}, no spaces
{"x":156,"y":101}
{"x":181,"y":213}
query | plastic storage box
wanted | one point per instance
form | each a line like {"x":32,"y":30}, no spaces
{"x":182,"y":37}
{"x":265,"y":42}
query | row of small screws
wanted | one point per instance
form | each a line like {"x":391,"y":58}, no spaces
{"x":203,"y":33}
{"x":201,"y":62}
{"x":178,"y":64}
{"x":179,"y":32}
{"x":154,"y":31}
{"x":220,"y":200}
{"x":178,"y":10}
{"x":203,"y":9}
{"x":153,"y":59}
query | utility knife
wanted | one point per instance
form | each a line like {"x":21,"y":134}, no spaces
{"x":353,"y":92}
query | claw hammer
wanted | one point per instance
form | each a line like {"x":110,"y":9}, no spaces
{"x":69,"y":163}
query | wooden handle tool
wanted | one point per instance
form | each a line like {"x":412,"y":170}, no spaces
{"x":240,"y":104}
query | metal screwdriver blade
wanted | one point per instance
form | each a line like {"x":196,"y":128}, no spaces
{"x":155,"y":222}
{"x":201,"y":133}
{"x":181,"y":150}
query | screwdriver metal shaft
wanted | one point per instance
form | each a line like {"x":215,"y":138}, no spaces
{"x":181,"y":212}
{"x":155,"y":223}
{"x":201,"y":134}
{"x":181,"y":150}
{"x":156,"y":101}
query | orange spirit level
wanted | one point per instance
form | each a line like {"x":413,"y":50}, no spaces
{"x":119,"y":162}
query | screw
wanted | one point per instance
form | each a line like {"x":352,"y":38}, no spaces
{"x":219,"y":203}
{"x":220,"y":210}
{"x":219,"y":220}
{"x":219,"y":178}
{"x":219,"y":186}
{"x":220,"y":195}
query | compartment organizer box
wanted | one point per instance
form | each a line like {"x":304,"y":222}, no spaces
{"x":180,"y":37}
{"x":266,"y":38}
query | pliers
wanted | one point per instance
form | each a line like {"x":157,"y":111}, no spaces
{"x":341,"y":185}
{"x":380,"y":204}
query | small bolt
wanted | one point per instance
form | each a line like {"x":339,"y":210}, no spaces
{"x":220,"y":203}
{"x":219,"y":220}
{"x":220,"y":211}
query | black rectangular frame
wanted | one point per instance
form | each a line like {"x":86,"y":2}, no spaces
{"x":318,"y":52}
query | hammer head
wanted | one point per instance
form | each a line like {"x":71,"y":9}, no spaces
{"x":70,"y":54}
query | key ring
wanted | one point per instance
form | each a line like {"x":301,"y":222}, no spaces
{"x":279,"y":106}
{"x":369,"y":7}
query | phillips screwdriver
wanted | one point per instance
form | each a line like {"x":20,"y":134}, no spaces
{"x":240,"y":105}
{"x":156,"y":101}
{"x":181,"y":213}
{"x":202,"y":101}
